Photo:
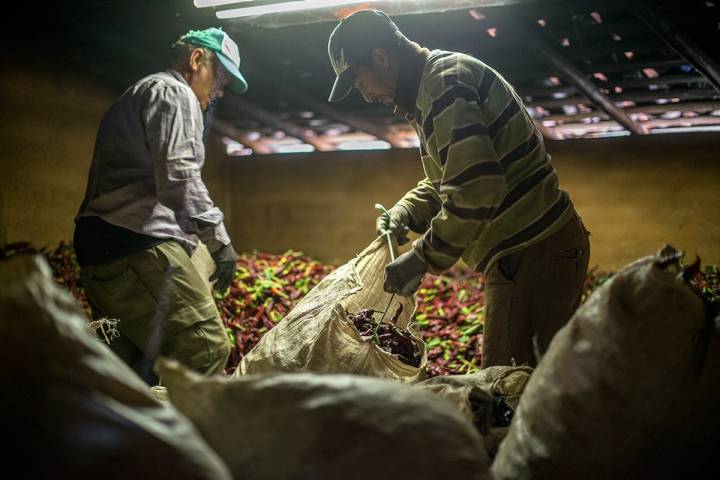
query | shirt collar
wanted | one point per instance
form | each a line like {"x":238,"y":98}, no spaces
{"x":408,"y":84}
{"x":177,"y":76}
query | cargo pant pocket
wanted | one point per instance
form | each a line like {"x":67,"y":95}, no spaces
{"x":203,"y":346}
{"x":117,"y":292}
{"x":572,"y":248}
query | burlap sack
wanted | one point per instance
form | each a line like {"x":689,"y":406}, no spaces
{"x":487,"y":398}
{"x":313,"y":426}
{"x":627,"y":389}
{"x":316,"y":336}
{"x":71,"y":407}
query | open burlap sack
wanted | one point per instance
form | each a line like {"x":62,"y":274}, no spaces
{"x":317,"y":336}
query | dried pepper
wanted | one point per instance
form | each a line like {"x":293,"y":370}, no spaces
{"x":450,"y":308}
{"x":264,"y":290}
{"x":387,"y":336}
{"x":706,"y":283}
{"x":450,"y":313}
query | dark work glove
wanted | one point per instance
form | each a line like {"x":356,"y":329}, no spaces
{"x":404,"y":275}
{"x":225,"y":267}
{"x":396,"y":222}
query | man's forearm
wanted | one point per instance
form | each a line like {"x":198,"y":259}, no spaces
{"x":422,"y":204}
{"x":194,"y":210}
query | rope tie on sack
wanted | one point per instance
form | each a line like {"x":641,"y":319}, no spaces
{"x":107,"y":326}
{"x":504,"y":375}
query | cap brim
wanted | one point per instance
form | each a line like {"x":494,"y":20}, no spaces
{"x":237,"y":83}
{"x":341,"y":87}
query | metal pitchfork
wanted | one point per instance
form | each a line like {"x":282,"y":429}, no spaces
{"x":392,"y":259}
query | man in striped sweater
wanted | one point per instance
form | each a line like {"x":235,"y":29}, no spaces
{"x":490,"y":195}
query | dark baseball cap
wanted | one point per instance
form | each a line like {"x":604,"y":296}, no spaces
{"x":351,"y":42}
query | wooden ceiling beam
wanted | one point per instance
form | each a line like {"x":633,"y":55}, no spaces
{"x":226,"y":129}
{"x":648,"y":96}
{"x":652,"y":95}
{"x":531,"y":72}
{"x":576,"y":78}
{"x":700,"y":107}
{"x":661,"y":80}
{"x":594,"y":50}
{"x":677,"y":39}
{"x":268,"y":118}
{"x":648,"y":125}
{"x":665,"y":80}
{"x":328,"y":110}
{"x":658,"y":63}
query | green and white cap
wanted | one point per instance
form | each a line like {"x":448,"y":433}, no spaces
{"x":225,"y":49}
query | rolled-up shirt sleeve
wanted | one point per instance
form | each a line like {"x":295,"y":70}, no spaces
{"x":173,"y":125}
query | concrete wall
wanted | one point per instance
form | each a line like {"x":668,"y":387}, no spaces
{"x":49,"y":123}
{"x":633,"y":193}
{"x":320,"y":203}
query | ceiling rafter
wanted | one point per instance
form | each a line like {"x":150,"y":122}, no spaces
{"x":265,"y":116}
{"x":614,"y":68}
{"x":677,"y":39}
{"x":572,"y":75}
{"x":696,"y":107}
{"x":326,"y":109}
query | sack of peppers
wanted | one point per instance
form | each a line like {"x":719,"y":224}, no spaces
{"x":450,"y":308}
{"x":345,"y":325}
{"x":626,"y":388}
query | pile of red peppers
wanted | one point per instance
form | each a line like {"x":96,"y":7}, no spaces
{"x":264,"y":290}
{"x":450,"y":308}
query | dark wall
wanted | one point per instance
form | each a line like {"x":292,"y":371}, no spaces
{"x":49,"y":120}
{"x":321,"y":203}
{"x":634,"y":195}
{"x":637,"y":193}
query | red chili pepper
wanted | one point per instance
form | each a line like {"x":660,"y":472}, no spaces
{"x":450,"y":308}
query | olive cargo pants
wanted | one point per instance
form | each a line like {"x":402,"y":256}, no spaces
{"x":531,"y":294}
{"x":164,"y":308}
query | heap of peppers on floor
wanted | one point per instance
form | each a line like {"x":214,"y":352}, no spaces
{"x":450,"y":308}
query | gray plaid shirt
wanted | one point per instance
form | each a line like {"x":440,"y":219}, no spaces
{"x":145,"y":173}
